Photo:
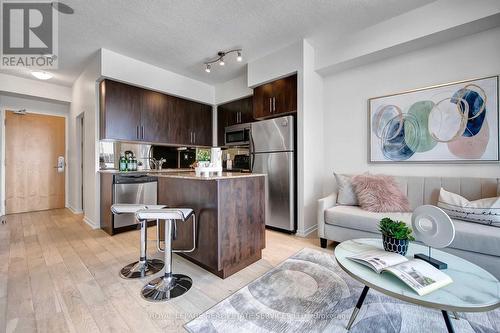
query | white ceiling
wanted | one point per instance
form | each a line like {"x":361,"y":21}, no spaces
{"x":179,"y":35}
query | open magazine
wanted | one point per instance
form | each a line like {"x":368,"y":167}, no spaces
{"x":417,"y":274}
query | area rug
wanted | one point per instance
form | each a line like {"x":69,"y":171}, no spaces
{"x":309,"y":292}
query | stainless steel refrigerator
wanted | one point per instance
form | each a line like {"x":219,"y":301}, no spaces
{"x":272,"y":148}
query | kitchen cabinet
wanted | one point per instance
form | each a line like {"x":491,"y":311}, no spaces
{"x":157,"y":114}
{"x":120,"y":116}
{"x":232,"y":113}
{"x":129,"y":113}
{"x":275,"y":98}
{"x":193,"y":124}
{"x":230,"y":215}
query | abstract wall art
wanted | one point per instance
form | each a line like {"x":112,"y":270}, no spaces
{"x":455,"y":122}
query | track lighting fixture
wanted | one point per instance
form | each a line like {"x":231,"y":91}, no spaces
{"x":220,"y":58}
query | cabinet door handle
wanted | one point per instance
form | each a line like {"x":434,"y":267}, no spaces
{"x":190,"y":137}
{"x":239,"y":117}
{"x":137,"y":132}
{"x":236,"y":117}
{"x":194,"y":137}
{"x":270,"y":105}
{"x":142,"y":132}
{"x":274,"y":104}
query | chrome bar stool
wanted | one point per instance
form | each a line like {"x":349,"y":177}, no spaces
{"x":169,"y":285}
{"x":144,"y":266}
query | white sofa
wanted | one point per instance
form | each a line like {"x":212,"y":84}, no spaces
{"x":475,"y":242}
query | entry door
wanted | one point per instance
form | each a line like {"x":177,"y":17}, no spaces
{"x":35,"y":162}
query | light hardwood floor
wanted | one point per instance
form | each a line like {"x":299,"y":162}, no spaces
{"x":59,"y":275}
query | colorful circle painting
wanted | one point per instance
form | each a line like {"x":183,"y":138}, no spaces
{"x":450,"y":122}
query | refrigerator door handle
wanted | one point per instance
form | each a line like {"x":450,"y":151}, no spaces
{"x":252,"y":151}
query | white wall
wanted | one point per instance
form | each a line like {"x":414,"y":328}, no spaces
{"x":13,"y":102}
{"x":36,"y":88}
{"x":310,"y":142}
{"x":232,"y":90}
{"x":346,"y":94}
{"x":85,"y":99}
{"x":133,"y":71}
{"x":275,"y":65}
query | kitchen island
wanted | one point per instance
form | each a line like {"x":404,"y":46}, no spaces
{"x":230,"y":215}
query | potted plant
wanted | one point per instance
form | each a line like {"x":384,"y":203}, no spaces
{"x":203,"y":157}
{"x":396,"y":235}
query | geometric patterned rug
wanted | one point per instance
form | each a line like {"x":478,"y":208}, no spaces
{"x":309,"y":292}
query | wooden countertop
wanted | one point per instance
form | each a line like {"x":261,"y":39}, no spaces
{"x":192,"y":175}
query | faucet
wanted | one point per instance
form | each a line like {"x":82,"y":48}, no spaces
{"x":158,"y":164}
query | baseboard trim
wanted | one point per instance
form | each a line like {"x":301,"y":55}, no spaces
{"x":307,"y":232}
{"x":75,"y":211}
{"x":90,"y":222}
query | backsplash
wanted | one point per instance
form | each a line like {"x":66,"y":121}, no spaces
{"x":109,"y":153}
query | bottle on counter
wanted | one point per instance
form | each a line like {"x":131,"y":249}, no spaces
{"x":229,"y":162}
{"x":123,"y":163}
{"x":134,"y":163}
{"x":129,"y":163}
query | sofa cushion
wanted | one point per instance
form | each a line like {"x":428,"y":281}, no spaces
{"x":379,"y":193}
{"x":468,"y":236}
{"x":356,"y":218}
{"x":345,"y":192}
{"x":476,"y":237}
{"x":484,"y":211}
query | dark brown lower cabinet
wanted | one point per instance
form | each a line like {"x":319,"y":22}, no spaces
{"x":230,"y":218}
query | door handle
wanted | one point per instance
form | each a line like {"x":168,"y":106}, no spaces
{"x":274,"y":104}
{"x":142,"y":132}
{"x":194,"y":137}
{"x":270,"y":105}
{"x":137,"y":132}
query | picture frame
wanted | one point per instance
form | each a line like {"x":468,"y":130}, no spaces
{"x":429,"y":125}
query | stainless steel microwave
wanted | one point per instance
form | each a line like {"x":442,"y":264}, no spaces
{"x":237,"y":135}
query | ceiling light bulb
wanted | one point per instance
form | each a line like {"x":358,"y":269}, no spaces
{"x":239,"y":58}
{"x":221,"y":62}
{"x":207,"y":69}
{"x":42,"y":75}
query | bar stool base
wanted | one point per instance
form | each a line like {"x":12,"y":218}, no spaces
{"x":141,"y":269}
{"x":166,"y":287}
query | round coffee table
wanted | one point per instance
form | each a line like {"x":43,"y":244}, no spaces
{"x":473,"y":289}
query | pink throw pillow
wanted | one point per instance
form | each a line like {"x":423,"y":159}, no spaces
{"x":380,"y":194}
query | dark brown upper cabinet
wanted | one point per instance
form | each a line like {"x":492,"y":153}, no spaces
{"x":232,"y":113}
{"x":130,"y":113}
{"x":157,"y":114}
{"x":120,"y":115}
{"x":275,"y":98}
{"x":194,"y":126}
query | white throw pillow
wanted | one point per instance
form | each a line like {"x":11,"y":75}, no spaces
{"x":484,"y":211}
{"x":345,"y":195}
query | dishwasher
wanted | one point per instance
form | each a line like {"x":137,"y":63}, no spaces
{"x":133,"y":189}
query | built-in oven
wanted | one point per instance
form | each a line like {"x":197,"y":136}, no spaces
{"x":237,"y":135}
